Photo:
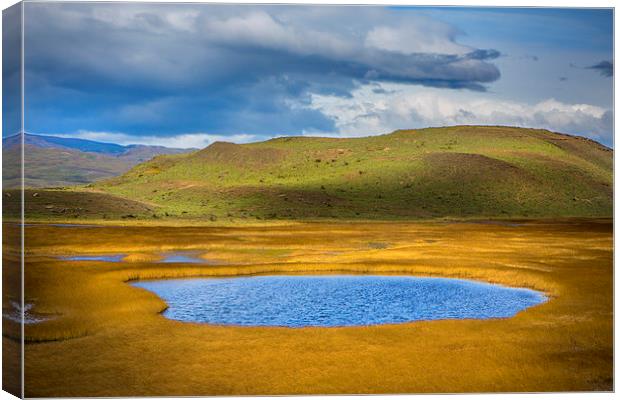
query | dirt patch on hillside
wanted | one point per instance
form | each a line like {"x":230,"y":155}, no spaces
{"x":585,"y":148}
{"x":240,"y":155}
{"x":69,"y":204}
{"x":279,"y":203}
{"x":467,"y":167}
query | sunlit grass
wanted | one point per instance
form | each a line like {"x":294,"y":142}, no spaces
{"x":109,"y":339}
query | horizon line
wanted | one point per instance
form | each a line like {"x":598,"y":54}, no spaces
{"x":316,"y":136}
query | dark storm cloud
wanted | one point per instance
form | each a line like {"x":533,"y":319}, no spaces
{"x":11,"y":70}
{"x":482,"y":54}
{"x":163,"y":69}
{"x":605,"y":68}
{"x":530,"y":57}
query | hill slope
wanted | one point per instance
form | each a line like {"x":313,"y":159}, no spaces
{"x":462,"y":171}
{"x":56,"y":161}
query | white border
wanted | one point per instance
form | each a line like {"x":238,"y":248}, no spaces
{"x":458,"y":3}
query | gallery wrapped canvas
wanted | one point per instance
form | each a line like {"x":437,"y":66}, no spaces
{"x":243,"y":199}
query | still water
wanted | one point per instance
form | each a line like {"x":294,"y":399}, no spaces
{"x":335,"y":300}
{"x":182,"y":257}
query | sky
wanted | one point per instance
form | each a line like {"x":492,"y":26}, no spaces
{"x":185,"y":75}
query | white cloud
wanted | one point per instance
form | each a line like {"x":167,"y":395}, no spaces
{"x":419,"y":35}
{"x":421,"y":50}
{"x":371,"y":111}
{"x":263,"y":30}
{"x":186,"y":140}
{"x":257,"y":28}
{"x":136,"y":16}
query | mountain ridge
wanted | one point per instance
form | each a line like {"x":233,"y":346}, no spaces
{"x":56,"y":161}
{"x":86,"y":145}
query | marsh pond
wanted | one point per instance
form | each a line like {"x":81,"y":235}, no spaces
{"x":335,"y":300}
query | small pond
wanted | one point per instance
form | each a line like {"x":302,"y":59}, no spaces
{"x":107,"y":258}
{"x":335,"y":300}
{"x":182,"y":257}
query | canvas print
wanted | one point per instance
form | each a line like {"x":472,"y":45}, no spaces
{"x":242,"y":199}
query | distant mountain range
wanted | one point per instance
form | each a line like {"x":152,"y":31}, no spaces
{"x":53,"y":161}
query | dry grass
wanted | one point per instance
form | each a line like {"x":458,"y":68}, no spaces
{"x":108,"y":338}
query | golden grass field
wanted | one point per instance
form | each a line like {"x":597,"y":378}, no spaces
{"x":107,"y":338}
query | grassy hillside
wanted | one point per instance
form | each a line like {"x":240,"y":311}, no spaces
{"x":462,"y":172}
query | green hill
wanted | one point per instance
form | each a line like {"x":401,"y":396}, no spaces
{"x":461,"y":172}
